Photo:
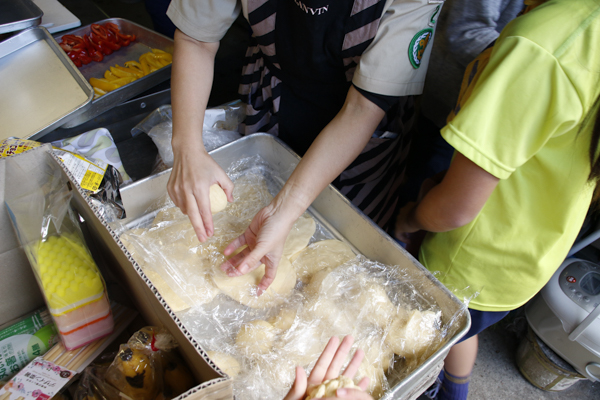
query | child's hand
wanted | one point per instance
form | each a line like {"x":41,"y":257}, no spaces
{"x":328,"y":367}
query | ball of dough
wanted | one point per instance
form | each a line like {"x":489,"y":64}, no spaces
{"x":299,"y":236}
{"x":410,"y":336}
{"x":225,"y":362}
{"x":255,"y":337}
{"x":320,"y":255}
{"x":244,"y":288}
{"x":284,"y":320}
{"x":329,"y":388}
{"x":314,"y":286}
{"x":375,"y":305}
{"x":218,"y":199}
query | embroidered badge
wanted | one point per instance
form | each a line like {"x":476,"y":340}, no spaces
{"x":417,"y":46}
{"x":434,"y":16}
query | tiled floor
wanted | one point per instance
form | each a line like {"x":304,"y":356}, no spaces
{"x":496,"y":375}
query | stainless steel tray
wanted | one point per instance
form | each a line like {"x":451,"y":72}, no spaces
{"x":145,"y":39}
{"x":41,"y":88}
{"x":343,"y":220}
{"x":16,"y":15}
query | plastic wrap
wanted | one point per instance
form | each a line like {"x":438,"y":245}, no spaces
{"x":70,"y":281}
{"x":333,"y":291}
{"x":219,"y":128}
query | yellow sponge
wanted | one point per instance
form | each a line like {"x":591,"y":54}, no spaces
{"x":68,"y":274}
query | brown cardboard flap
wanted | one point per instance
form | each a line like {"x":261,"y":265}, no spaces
{"x":150,"y":305}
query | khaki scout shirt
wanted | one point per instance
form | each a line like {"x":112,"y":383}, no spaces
{"x":395,"y":64}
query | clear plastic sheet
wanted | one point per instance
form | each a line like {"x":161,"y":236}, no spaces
{"x":259,"y":341}
{"x":70,"y":281}
{"x":220,"y":127}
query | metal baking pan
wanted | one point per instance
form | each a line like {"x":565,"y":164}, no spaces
{"x":41,"y":88}
{"x":343,"y":220}
{"x":16,"y":15}
{"x":145,"y":39}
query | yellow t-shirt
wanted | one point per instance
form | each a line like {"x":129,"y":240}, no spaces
{"x":524,"y":122}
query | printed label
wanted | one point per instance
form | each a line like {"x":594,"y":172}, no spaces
{"x":86,"y":174}
{"x":39,"y":380}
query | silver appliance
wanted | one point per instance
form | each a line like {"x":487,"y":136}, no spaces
{"x":565,"y":315}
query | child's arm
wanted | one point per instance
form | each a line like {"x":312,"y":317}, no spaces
{"x":452,"y":203}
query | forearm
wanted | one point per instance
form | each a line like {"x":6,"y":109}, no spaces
{"x":338,"y":144}
{"x":455,"y":201}
{"x":191,"y":82}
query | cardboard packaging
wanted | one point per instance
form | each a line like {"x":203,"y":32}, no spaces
{"x":20,"y":294}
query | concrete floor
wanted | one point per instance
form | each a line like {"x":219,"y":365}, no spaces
{"x":496,"y":375}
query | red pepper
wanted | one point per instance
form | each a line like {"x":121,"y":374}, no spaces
{"x":99,"y":31}
{"x":94,"y":52}
{"x":106,"y":42}
{"x":122,"y":39}
{"x":103,"y":49}
{"x":84,"y":57}
{"x":73,"y":55}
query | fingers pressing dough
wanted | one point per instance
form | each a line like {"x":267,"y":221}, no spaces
{"x":244,"y":288}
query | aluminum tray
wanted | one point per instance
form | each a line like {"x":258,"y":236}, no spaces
{"x":343,"y":220}
{"x":145,"y":39}
{"x":41,"y":88}
{"x":16,"y":15}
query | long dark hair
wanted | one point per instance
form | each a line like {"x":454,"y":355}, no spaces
{"x":593,"y":154}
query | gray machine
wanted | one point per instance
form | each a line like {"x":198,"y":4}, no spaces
{"x":565,"y":315}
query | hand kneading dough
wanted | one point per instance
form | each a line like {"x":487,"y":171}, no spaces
{"x":320,"y":255}
{"x":225,"y":362}
{"x":256,"y":337}
{"x":329,"y":388}
{"x":244,"y":288}
{"x":299,"y":236}
{"x":411,"y":336}
{"x":218,"y":199}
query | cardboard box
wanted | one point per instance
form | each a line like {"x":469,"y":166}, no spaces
{"x":20,"y":294}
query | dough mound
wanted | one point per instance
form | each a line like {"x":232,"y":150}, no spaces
{"x":320,"y":255}
{"x":299,"y":236}
{"x":218,"y":199}
{"x":411,"y":335}
{"x":329,"y":388}
{"x":255,"y":337}
{"x":225,"y":362}
{"x":284,"y":319}
{"x":244,"y":288}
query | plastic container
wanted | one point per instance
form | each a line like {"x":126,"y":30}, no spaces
{"x":74,"y":290}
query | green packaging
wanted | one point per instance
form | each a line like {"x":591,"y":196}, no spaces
{"x":23,"y":340}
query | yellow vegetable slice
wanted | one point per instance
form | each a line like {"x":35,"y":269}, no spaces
{"x":103,"y":84}
{"x":120,"y":73}
{"x":109,"y":76}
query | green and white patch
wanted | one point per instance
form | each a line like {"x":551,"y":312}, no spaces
{"x":417,"y":46}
